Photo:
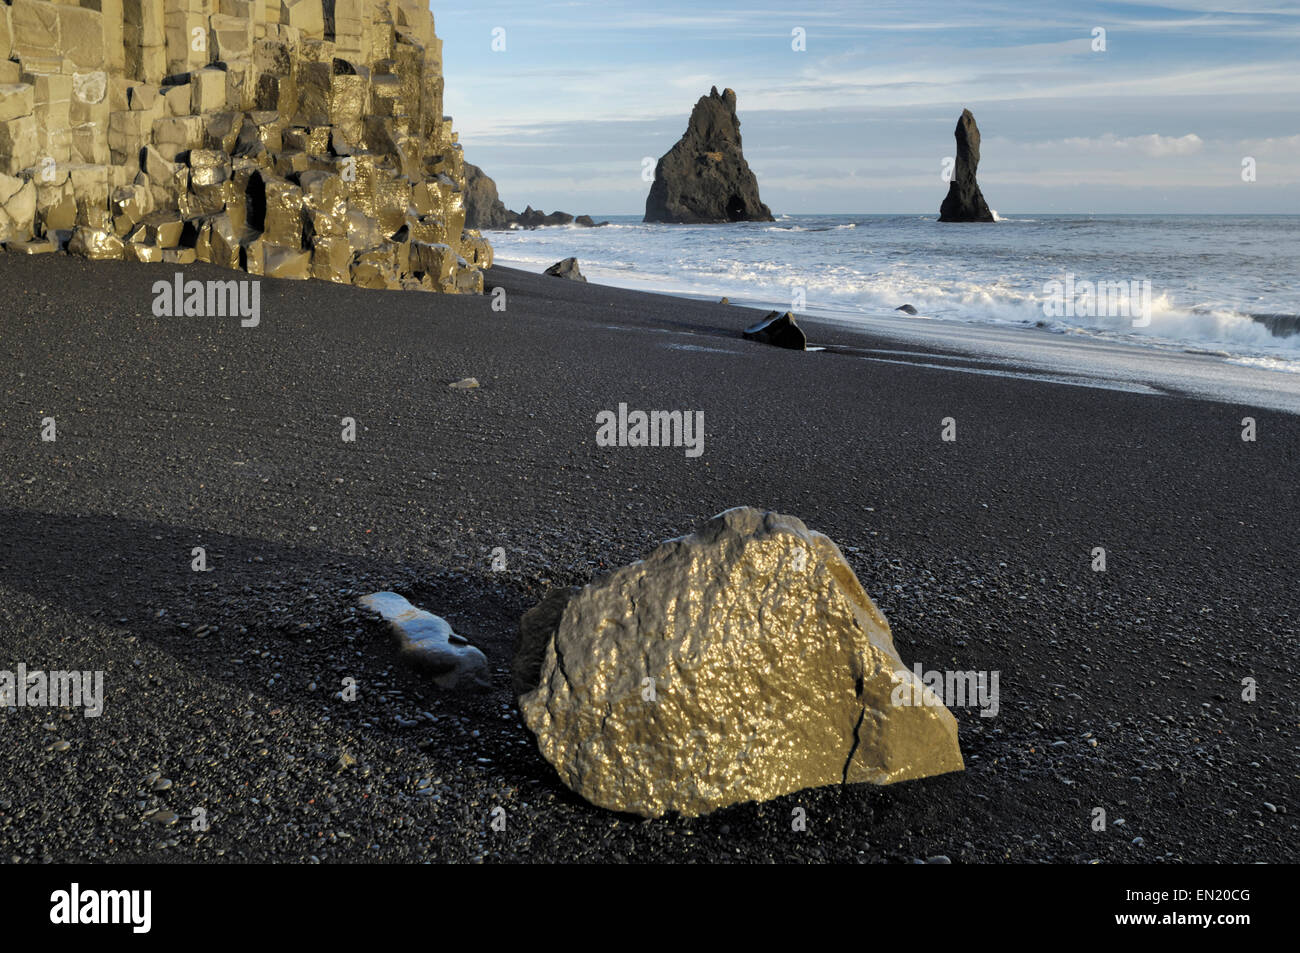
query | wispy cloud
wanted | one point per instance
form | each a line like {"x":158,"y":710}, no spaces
{"x":1152,"y":144}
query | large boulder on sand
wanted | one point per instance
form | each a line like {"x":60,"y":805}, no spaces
{"x":965,"y":202}
{"x":705,"y":178}
{"x":740,"y":663}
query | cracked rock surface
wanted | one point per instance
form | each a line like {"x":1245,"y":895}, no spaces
{"x":740,"y":663}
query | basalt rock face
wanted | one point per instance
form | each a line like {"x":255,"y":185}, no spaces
{"x":299,"y":138}
{"x":705,"y":178}
{"x":965,"y":202}
{"x":740,"y":663}
{"x":483,"y":207}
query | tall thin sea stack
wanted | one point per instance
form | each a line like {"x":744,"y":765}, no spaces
{"x":965,"y":202}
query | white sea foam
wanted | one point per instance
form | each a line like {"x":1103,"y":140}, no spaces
{"x":1268,"y":363}
{"x":801,"y":228}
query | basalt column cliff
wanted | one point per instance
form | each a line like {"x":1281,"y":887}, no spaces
{"x":288,"y":138}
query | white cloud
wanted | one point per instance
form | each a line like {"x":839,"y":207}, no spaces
{"x":1152,"y":144}
{"x":1286,"y":146}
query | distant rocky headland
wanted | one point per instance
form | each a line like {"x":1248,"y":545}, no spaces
{"x":287,"y":138}
{"x":485,"y":211}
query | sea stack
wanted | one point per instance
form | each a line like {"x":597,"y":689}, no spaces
{"x":964,"y":202}
{"x":705,"y":178}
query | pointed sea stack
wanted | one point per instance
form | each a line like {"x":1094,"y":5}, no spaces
{"x":965,"y":203}
{"x":705,"y":178}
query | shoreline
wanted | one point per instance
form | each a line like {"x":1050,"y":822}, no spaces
{"x":175,"y":433}
{"x":1060,"y":356}
{"x":1197,"y":298}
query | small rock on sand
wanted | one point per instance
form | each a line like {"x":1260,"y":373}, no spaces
{"x":779,"y":330}
{"x":428,"y":642}
{"x":568,"y":268}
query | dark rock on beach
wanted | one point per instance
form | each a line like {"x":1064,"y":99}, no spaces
{"x":1279,"y":325}
{"x":965,"y":202}
{"x":428,"y":643}
{"x":568,"y":268}
{"x":779,"y":330}
{"x":705,"y":178}
{"x":906,"y":309}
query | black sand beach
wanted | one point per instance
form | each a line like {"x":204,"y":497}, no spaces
{"x":1119,"y":689}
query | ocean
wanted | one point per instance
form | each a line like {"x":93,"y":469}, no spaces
{"x":1224,"y":286}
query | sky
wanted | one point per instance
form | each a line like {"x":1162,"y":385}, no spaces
{"x":1082,"y":106}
